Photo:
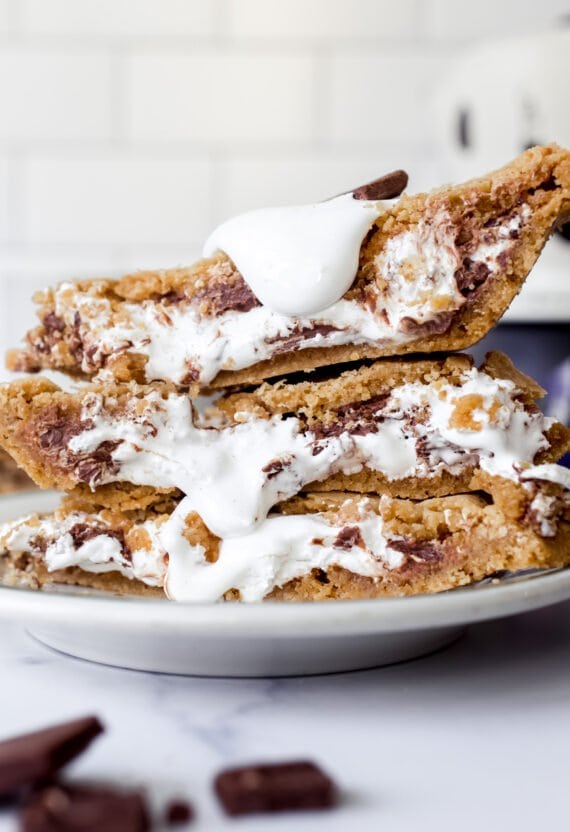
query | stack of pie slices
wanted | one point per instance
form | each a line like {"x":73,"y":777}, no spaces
{"x":214,"y":448}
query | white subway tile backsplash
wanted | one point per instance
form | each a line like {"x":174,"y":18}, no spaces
{"x":221,"y":97}
{"x":43,"y":265}
{"x":128,"y":129}
{"x":148,"y":18}
{"x":50,"y":94}
{"x":322,"y":20}
{"x":142,"y":257}
{"x":289,"y":179}
{"x":4,"y":199}
{"x":382,"y":97}
{"x":117,"y":198}
{"x":491,"y":19}
{"x":5,"y":16}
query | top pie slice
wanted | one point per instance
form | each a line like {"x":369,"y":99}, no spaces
{"x":435,"y":273}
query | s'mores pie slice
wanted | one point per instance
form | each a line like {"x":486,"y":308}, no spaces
{"x":401,"y":427}
{"x":319,"y":546}
{"x":363,"y":275}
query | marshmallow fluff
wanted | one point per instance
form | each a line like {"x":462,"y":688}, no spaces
{"x":298,"y":260}
{"x":549,"y":473}
{"x":281,"y":549}
{"x":180,"y":344}
{"x":101,"y":552}
{"x":232,"y":476}
{"x":274,"y":553}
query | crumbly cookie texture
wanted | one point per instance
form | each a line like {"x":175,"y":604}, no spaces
{"x":366,"y":547}
{"x":436,"y":272}
{"x":12,"y":478}
{"x":402,"y":427}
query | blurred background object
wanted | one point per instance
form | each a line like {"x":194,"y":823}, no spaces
{"x":130,"y":129}
{"x":12,"y":478}
{"x":501,"y":98}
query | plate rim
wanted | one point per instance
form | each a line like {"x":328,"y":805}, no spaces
{"x":286,"y":619}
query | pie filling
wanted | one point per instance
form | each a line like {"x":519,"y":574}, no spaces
{"x":415,"y":287}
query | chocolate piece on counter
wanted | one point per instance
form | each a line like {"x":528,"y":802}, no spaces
{"x":274,"y":788}
{"x":62,"y":808}
{"x":179,"y":812}
{"x":34,"y":758}
{"x":387,"y":187}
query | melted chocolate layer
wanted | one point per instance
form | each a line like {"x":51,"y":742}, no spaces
{"x":231,"y":296}
{"x":418,"y":550}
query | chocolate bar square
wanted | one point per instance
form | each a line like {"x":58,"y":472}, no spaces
{"x":279,"y":787}
{"x":35,"y":758}
{"x":62,"y":808}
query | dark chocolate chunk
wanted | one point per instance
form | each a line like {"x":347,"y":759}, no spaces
{"x":81,"y":533}
{"x":274,"y":788}
{"x":234,"y":296}
{"x":34,"y":758}
{"x":364,"y":414}
{"x":348,"y":537}
{"x":273,"y":468}
{"x":191,"y":375}
{"x":387,"y":187}
{"x":171,"y":297}
{"x":55,"y":427}
{"x":53,"y":323}
{"x":420,"y":551}
{"x":92,"y":468}
{"x":75,"y":342}
{"x":356,"y":418}
{"x":62,"y":808}
{"x":435,"y":326}
{"x":319,"y":574}
{"x":178,"y":812}
{"x":299,"y":334}
{"x":470,"y":275}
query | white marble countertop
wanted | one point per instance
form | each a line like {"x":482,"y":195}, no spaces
{"x":474,"y":737}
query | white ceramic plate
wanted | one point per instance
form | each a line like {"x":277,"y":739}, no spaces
{"x":269,"y":639}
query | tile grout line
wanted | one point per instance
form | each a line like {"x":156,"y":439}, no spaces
{"x":17,"y":223}
{"x":118,"y":96}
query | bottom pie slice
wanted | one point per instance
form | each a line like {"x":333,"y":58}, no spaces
{"x":316,"y":546}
